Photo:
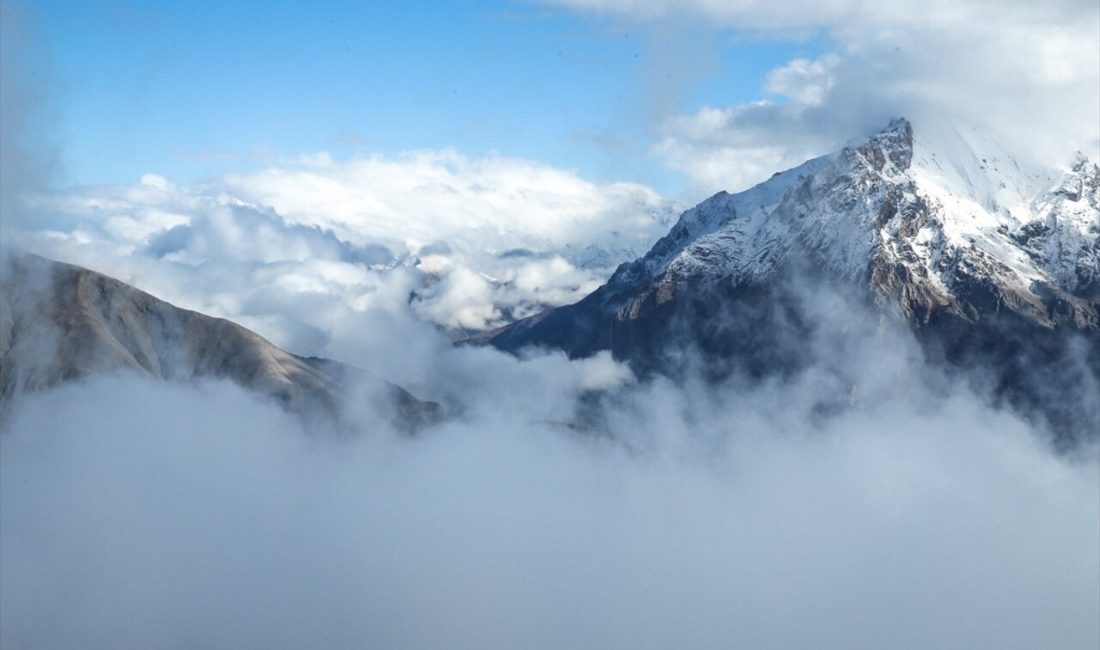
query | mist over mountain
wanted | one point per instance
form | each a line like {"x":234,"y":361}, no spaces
{"x":849,"y":402}
{"x":803,"y":459}
{"x":61,"y":323}
{"x":994,"y":266}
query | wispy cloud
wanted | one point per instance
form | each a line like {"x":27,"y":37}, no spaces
{"x":1029,"y":73}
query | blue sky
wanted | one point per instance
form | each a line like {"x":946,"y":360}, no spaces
{"x":189,"y":90}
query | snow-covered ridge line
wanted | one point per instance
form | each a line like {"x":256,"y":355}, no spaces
{"x":935,"y":205}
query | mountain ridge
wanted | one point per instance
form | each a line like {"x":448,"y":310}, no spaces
{"x":985,"y":269}
{"x":61,"y":323}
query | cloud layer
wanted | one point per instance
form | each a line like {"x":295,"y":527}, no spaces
{"x":183,"y":516}
{"x":475,"y":242}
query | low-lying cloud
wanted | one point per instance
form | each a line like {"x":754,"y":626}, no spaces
{"x":476,"y":242}
{"x":562,"y":503}
{"x":140,"y":514}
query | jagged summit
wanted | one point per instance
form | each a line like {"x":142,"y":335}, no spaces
{"x":974,"y":249}
{"x":893,"y":201}
{"x":856,"y":206}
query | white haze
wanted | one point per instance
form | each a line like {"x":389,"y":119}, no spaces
{"x":140,"y":514}
{"x":137,"y":514}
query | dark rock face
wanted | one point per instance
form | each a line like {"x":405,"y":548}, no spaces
{"x":1015,"y":311}
{"x":60,"y":323}
{"x":1050,"y":374}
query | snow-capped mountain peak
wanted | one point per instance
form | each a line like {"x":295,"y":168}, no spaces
{"x":941,"y":208}
{"x":991,"y":261}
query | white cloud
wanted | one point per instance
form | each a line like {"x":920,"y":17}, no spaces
{"x":839,"y":14}
{"x":734,"y":148}
{"x":804,"y":81}
{"x":494,"y":203}
{"x":1028,"y":72}
{"x":463,"y":299}
{"x":479,"y":241}
{"x":202,"y":517}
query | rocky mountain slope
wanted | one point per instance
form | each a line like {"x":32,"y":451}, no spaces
{"x":993,"y":265}
{"x":60,"y":322}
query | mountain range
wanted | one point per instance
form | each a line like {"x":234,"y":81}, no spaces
{"x":991,"y":263}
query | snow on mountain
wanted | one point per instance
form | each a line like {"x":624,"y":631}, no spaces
{"x":1062,"y":238}
{"x":991,"y":262}
{"x":897,"y":201}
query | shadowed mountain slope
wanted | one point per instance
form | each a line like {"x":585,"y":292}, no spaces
{"x":992,"y":264}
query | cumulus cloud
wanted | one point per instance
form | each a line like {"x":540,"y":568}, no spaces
{"x":475,"y":242}
{"x":292,"y":248}
{"x":424,"y":196}
{"x":1027,"y":72}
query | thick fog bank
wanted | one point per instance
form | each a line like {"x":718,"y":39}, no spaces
{"x":139,"y":514}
